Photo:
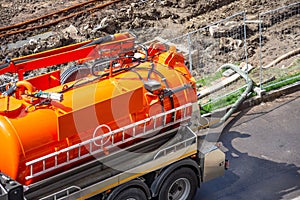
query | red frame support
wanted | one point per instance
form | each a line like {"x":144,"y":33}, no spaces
{"x":81,"y":52}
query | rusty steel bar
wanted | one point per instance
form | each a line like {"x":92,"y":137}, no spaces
{"x":45,"y":16}
{"x":59,"y":20}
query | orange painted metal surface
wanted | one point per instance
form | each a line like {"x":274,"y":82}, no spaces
{"x":32,"y":127}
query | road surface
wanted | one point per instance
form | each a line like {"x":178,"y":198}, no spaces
{"x":263,"y":146}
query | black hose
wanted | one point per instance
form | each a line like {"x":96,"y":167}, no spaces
{"x":98,"y":77}
{"x":96,"y":64}
{"x":151,"y":70}
{"x":15,"y":62}
{"x":146,"y":53}
{"x":163,"y":78}
{"x":10,"y":91}
{"x":138,"y":74}
{"x":104,"y":39}
{"x":70,"y":71}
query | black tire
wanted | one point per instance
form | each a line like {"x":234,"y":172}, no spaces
{"x":131,"y":194}
{"x":179,"y":185}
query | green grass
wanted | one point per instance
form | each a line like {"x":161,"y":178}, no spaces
{"x":282,"y":81}
{"x":296,"y":62}
{"x":232,"y":98}
{"x":209,"y":79}
{"x":228,"y":100}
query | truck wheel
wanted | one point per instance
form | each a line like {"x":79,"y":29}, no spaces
{"x":179,"y":185}
{"x":131,"y":194}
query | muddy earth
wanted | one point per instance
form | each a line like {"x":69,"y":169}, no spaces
{"x":178,"y":16}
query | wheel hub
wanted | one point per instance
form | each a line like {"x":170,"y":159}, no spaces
{"x":179,"y":190}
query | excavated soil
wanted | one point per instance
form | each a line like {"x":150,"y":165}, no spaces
{"x":177,"y":16}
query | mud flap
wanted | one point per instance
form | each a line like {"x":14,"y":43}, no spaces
{"x":213,"y":163}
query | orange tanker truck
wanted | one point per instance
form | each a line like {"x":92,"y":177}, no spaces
{"x":116,"y":124}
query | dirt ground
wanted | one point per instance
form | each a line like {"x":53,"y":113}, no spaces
{"x":178,"y":16}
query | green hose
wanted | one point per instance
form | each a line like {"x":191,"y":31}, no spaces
{"x":243,"y":96}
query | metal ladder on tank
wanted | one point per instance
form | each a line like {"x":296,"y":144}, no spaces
{"x":94,"y":147}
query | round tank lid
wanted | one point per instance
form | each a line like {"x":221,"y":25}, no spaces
{"x":10,"y":106}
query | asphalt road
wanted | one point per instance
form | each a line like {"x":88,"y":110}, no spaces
{"x":263,"y":146}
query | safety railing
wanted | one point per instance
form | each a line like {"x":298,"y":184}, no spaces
{"x":279,"y":46}
{"x":180,"y":145}
{"x":218,"y":43}
{"x":107,"y":141}
{"x":62,"y":194}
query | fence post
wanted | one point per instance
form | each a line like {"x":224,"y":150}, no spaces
{"x":260,"y":52}
{"x":245,"y":42}
{"x":190,"y":52}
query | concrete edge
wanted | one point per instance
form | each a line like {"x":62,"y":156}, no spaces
{"x":270,"y":96}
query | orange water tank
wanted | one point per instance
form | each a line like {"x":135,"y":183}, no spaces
{"x":31,"y":127}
